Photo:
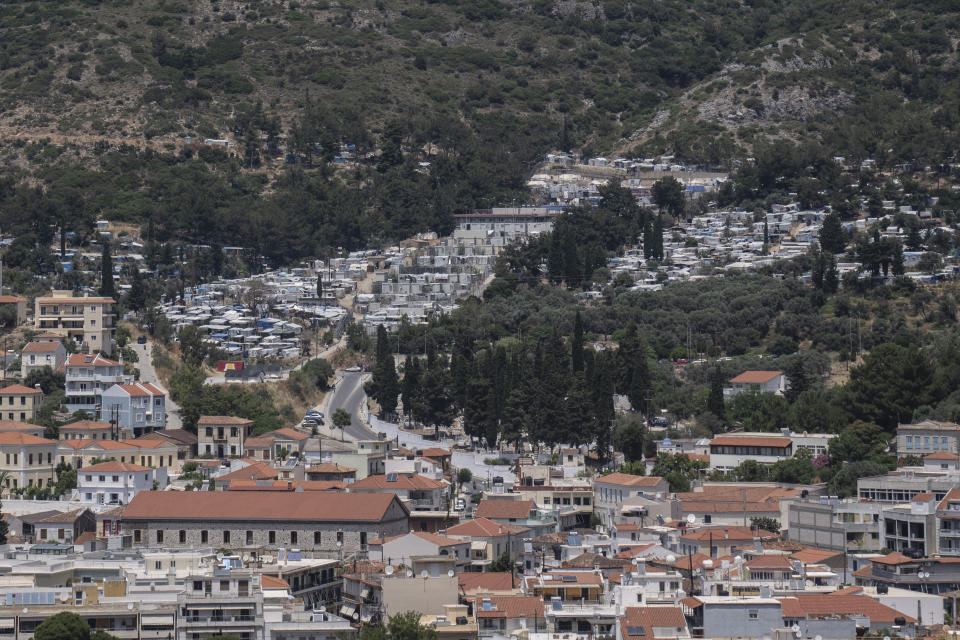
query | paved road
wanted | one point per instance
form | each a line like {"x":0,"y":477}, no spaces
{"x":149,"y":374}
{"x":348,"y":394}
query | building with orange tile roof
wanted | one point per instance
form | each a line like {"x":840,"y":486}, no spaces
{"x":19,"y":403}
{"x":148,"y":453}
{"x":222,"y":436}
{"x":88,"y":375}
{"x":419,"y":492}
{"x":139,"y":407}
{"x":38,"y":354}
{"x":275,"y":444}
{"x":263,"y":520}
{"x":26,"y":461}
{"x":756,"y":382}
{"x":116,"y":483}
{"x":404,"y":548}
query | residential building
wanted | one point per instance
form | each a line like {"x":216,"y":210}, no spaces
{"x":19,"y":306}
{"x":21,"y":427}
{"x":499,"y":616}
{"x":257,"y":520}
{"x":27,"y":461}
{"x":757,"y":382}
{"x":87,"y":321}
{"x":806,"y":610}
{"x":314,"y":580}
{"x":716,"y":616}
{"x":20,"y":403}
{"x":146,"y":453}
{"x":222,"y":436}
{"x":88,"y":430}
{"x":418,"y":492}
{"x":730,"y":450}
{"x":653,"y":623}
{"x":610,"y":491}
{"x":42,"y":353}
{"x":331,"y":472}
{"x":276,"y":445}
{"x":227,"y":600}
{"x":948,"y":524}
{"x":911,"y":528}
{"x":926,"y":437}
{"x":405,"y":547}
{"x":65,"y":527}
{"x":489,"y":540}
{"x":829,"y":523}
{"x":721,"y":541}
{"x":87,"y":377}
{"x":734,"y":503}
{"x":941,"y":461}
{"x":506,"y":511}
{"x":138,"y":408}
{"x":184,"y":441}
{"x":116,"y":483}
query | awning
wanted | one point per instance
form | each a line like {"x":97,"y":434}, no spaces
{"x":347,"y":611}
{"x":156,"y":619}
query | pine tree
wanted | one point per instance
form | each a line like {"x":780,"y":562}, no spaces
{"x":576,"y":348}
{"x":107,"y":289}
{"x":832,"y":237}
{"x":715,"y":398}
{"x":658,"y":237}
{"x":410,"y":388}
{"x":137,"y":298}
{"x":384,"y":385}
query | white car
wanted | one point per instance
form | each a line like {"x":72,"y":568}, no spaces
{"x":353,"y":369}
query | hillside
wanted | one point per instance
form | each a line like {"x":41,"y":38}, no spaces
{"x":98,"y":98}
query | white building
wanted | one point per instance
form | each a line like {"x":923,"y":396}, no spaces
{"x":117,"y":482}
{"x":88,"y":375}
{"x":757,"y":381}
{"x":42,"y":353}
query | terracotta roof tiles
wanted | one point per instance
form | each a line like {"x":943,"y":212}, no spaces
{"x":504,"y":509}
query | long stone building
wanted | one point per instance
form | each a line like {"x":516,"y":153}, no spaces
{"x":263,"y":520}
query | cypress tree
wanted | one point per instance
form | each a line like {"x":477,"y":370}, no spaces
{"x":658,"y":237}
{"x":107,"y":288}
{"x":576,"y":350}
{"x":715,"y":399}
{"x":384,"y":384}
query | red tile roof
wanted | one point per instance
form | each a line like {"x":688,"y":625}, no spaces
{"x":756,"y":377}
{"x":18,"y":390}
{"x":221,"y":420}
{"x":272,"y":582}
{"x":403,"y":481}
{"x":41,"y":347}
{"x":485,"y":582}
{"x":330,"y":467}
{"x":952,"y":496}
{"x":652,"y":618}
{"x":770,"y":561}
{"x":90,"y":360}
{"x":267,"y":439}
{"x":751,"y":441}
{"x":504,"y":509}
{"x":941,"y":455}
{"x":628,"y":480}
{"x":11,"y":299}
{"x":896,"y":557}
{"x":259,"y":506}
{"x":115,"y":467}
{"x":483,"y":528}
{"x":20,"y":438}
{"x":86,"y":425}
{"x":802,"y":605}
{"x":255,"y":471}
{"x":509,"y":607}
{"x":13,"y":425}
{"x":141,"y":389}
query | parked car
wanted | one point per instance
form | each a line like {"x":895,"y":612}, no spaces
{"x":353,"y":369}
{"x":460,"y":505}
{"x":312,"y":422}
{"x":313,"y":413}
{"x":142,"y":340}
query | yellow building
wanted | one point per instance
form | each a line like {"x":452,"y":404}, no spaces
{"x":146,"y":453}
{"x":20,"y":403}
{"x":87,"y":321}
{"x":27,"y":461}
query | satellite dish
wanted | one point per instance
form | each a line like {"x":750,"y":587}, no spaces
{"x":796,"y":629}
{"x":409,"y":573}
{"x":708,"y":564}
{"x":884,"y":637}
{"x":691,"y":518}
{"x":389,"y":570}
{"x":738,"y":560}
{"x":818,"y":638}
{"x":339,"y":543}
{"x":671,"y":559}
{"x":219,"y":555}
{"x":424,"y":574}
{"x":450,"y":573}
{"x":724,"y":564}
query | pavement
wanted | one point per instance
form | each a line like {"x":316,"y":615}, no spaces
{"x":348,"y":394}
{"x":149,"y":375}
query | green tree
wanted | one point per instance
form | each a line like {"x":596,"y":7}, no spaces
{"x":715,"y":398}
{"x":193,"y":347}
{"x":766,"y":524}
{"x":107,"y":288}
{"x":342,"y":418}
{"x":464,"y":476}
{"x":798,"y":469}
{"x":501,"y":564}
{"x":630,"y":436}
{"x":137,"y":296}
{"x":576,"y":344}
{"x":890,"y":384}
{"x":67,"y":625}
{"x":667,"y":194}
{"x":832,"y":236}
{"x":384,"y":386}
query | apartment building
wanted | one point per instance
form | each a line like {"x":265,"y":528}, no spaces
{"x":87,"y":377}
{"x":611,"y":490}
{"x":227,"y":600}
{"x":138,"y":408}
{"x":42,"y":353}
{"x":222,"y":436}
{"x":116,"y":483}
{"x":928,"y":436}
{"x":27,"y":461}
{"x":87,"y":321}
{"x":20,"y":403}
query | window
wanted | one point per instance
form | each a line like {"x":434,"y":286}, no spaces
{"x":272,"y":537}
{"x":30,"y":459}
{"x":943,"y":443}
{"x":316,"y":537}
{"x":203,"y":537}
{"x":926,"y":442}
{"x":753,"y":614}
{"x":339,"y":536}
{"x":158,"y":565}
{"x":198,"y":585}
{"x":136,"y":533}
{"x":116,"y":478}
{"x":293,"y":537}
{"x":249,"y":537}
{"x":183,"y":536}
{"x":224,"y":585}
{"x":226,"y":537}
{"x":363,"y":538}
{"x":159,"y":536}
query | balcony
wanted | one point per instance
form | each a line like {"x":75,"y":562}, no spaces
{"x":237,"y":620}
